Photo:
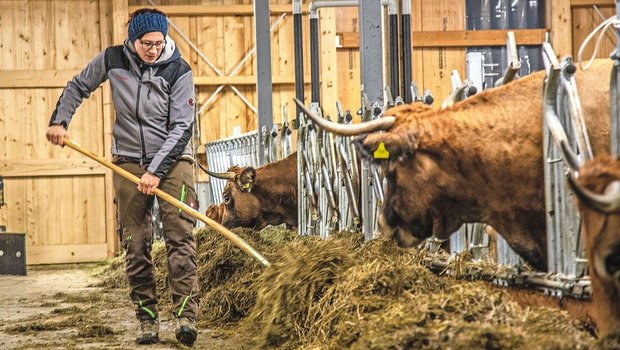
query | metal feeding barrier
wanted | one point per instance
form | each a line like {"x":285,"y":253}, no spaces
{"x":328,"y":179}
{"x":564,"y":127}
{"x":563,"y":123}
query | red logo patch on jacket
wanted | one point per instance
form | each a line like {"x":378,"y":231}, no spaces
{"x":191,"y":102}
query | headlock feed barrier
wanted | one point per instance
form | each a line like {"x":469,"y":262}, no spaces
{"x":338,"y":191}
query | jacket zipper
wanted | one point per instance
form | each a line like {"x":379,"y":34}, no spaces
{"x":142,"y":145}
{"x":150,"y":85}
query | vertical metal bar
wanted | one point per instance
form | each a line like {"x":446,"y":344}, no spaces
{"x":614,"y":91}
{"x":371,"y":49}
{"x":406,"y":50}
{"x":371,"y":77}
{"x":264,"y":87}
{"x":394,"y":84}
{"x":314,"y":59}
{"x":299,"y":57}
{"x":536,"y":19}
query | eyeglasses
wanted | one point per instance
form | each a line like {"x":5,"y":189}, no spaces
{"x":147,"y":45}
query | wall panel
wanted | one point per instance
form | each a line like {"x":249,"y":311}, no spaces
{"x":60,"y":204}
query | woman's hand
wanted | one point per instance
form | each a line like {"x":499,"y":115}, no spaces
{"x":55,"y":134}
{"x":148,"y":184}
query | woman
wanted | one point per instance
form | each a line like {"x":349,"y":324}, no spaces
{"x":153,"y":94}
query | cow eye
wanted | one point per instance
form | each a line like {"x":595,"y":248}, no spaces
{"x":226,"y":199}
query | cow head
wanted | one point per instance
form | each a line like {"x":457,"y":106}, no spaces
{"x":239,"y":207}
{"x":598,"y":190}
{"x":416,"y":205}
{"x":255,"y":198}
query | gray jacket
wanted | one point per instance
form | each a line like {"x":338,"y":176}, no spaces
{"x":154,"y":103}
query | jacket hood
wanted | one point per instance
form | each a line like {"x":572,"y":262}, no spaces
{"x":169,"y":53}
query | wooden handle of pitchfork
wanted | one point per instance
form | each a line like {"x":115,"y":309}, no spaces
{"x":238,"y":241}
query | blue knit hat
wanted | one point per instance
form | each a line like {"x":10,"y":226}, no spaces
{"x":146,"y":22}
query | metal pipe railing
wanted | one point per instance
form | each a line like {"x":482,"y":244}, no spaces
{"x":299,"y":56}
{"x":406,"y":50}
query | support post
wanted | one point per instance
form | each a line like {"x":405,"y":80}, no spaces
{"x":614,"y":89}
{"x":371,"y":49}
{"x":371,"y":77}
{"x":406,"y":50}
{"x":299,"y":57}
{"x":264,"y":87}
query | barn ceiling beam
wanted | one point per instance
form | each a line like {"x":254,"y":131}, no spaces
{"x":459,"y":38}
{"x":215,"y":10}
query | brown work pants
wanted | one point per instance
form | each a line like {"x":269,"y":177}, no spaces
{"x":134,"y":213}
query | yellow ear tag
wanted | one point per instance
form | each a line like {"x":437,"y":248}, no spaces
{"x":381,"y":152}
{"x":246,"y":186}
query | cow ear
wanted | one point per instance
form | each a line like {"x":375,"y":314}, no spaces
{"x":387,"y":145}
{"x":246,"y":180}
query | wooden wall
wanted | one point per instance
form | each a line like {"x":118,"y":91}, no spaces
{"x":59,"y":199}
{"x":63,"y":201}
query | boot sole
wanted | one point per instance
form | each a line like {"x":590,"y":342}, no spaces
{"x":186,"y":336}
{"x":147,"y":341}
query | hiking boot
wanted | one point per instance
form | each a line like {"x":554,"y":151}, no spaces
{"x":186,"y":331}
{"x":148,"y":332}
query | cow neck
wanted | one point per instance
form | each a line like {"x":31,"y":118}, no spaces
{"x":492,"y":124}
{"x":283,"y":174}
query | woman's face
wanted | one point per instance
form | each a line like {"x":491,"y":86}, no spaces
{"x":150,"y":46}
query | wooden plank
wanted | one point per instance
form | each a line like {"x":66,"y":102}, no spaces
{"x":590,"y":3}
{"x":211,"y":124}
{"x":115,"y":30}
{"x":233,"y":35}
{"x":347,"y":19}
{"x":328,"y":61}
{"x":246,"y":24}
{"x":584,"y":21}
{"x":459,"y":38}
{"x":13,"y":213}
{"x":46,"y":212}
{"x":284,"y":52}
{"x":22,"y":53}
{"x":439,"y":62}
{"x":66,"y":253}
{"x":11,"y":168}
{"x":417,"y":55}
{"x":242,"y":80}
{"x":120,"y":18}
{"x":215,"y":9}
{"x":7,"y":34}
{"x":16,"y":79}
{"x":558,"y":18}
{"x":41,"y":29}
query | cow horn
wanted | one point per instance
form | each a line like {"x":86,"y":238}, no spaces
{"x":348,"y":130}
{"x":229,"y":175}
{"x":608,"y":202}
{"x":570,"y":157}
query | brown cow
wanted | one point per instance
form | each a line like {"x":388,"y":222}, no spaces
{"x":598,"y":190}
{"x":480,"y":160}
{"x":255,"y":198}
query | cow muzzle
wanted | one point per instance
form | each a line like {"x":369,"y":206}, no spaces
{"x":403,"y":238}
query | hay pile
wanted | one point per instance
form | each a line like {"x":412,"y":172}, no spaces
{"x":342,"y":293}
{"x":225,"y":273}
